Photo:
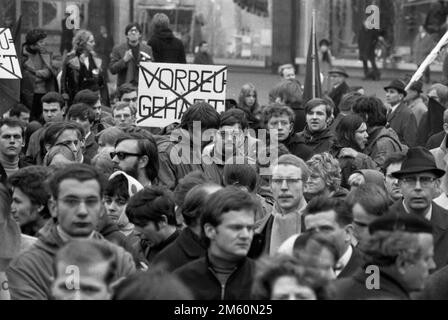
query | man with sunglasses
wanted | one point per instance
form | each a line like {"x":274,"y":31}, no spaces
{"x":136,"y":154}
{"x":125,"y":58}
{"x":76,"y":208}
{"x":289,"y":175}
{"x":419,"y":182}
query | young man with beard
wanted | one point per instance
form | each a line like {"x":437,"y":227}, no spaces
{"x":289,"y":174}
{"x":225,"y":273}
{"x":125,"y":58}
{"x":76,"y":207}
{"x":317,"y":134}
{"x":136,"y":154}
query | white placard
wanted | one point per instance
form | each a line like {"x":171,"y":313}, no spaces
{"x":9,"y":62}
{"x":167,"y":90}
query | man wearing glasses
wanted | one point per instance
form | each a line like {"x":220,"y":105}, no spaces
{"x":124,"y":114}
{"x":126,"y":57}
{"x":289,"y":174}
{"x":136,"y":154}
{"x":419,"y":183}
{"x":75,"y":202}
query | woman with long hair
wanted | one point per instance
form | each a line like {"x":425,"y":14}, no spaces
{"x":248,"y":102}
{"x":352,"y":138}
{"x":83,"y":69}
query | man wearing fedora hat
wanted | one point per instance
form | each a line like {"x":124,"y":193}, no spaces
{"x":419,"y":181}
{"x":415,"y":101}
{"x":339,"y":87}
{"x":399,"y":116}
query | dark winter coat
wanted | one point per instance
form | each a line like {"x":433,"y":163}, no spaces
{"x":166,"y":47}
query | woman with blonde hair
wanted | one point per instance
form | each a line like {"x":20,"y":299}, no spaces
{"x":82,"y":69}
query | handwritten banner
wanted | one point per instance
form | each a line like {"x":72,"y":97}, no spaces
{"x":9,"y":62}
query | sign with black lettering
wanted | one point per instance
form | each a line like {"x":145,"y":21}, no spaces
{"x":167,"y":90}
{"x":9,"y":63}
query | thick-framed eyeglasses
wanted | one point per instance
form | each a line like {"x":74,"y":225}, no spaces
{"x":424,"y":181}
{"x":123,"y":155}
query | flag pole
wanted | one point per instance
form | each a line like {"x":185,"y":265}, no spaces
{"x":429,"y":59}
{"x":313,"y":56}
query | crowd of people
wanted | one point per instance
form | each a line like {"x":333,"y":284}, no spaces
{"x":339,"y":197}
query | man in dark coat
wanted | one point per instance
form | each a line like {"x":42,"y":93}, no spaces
{"x":367,"y":40}
{"x":338,"y":77}
{"x":188,"y":246}
{"x":390,"y":270}
{"x":125,"y":58}
{"x":400,"y":117}
{"x":317,"y":134}
{"x":419,"y":182}
{"x":225,"y":273}
{"x":166,"y":47}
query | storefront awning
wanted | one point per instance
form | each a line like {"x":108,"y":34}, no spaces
{"x":258,"y":7}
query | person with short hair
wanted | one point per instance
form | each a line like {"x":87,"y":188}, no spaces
{"x":85,"y":117}
{"x":103,"y":116}
{"x":39,"y":73}
{"x":401,"y":248}
{"x":75,"y":206}
{"x":96,"y":267}
{"x":419,"y":182}
{"x":128,"y":93}
{"x":125,"y":58}
{"x":70,"y":134}
{"x":382,"y":140}
{"x":225,"y":273}
{"x":232,"y":141}
{"x":53,"y":109}
{"x":29,"y":198}
{"x":203,"y":56}
{"x":317,"y":134}
{"x":184,"y":155}
{"x":20,"y":112}
{"x":289,"y":174}
{"x":368,"y":202}
{"x":152,"y":212}
{"x":166,"y":47}
{"x":391,"y":165}
{"x":124,"y":114}
{"x":281,"y":118}
{"x":136,"y":154}
{"x":11,"y":144}
{"x":345,"y":108}
{"x":415,"y":102}
{"x":325,"y":177}
{"x":334,"y":217}
{"x":188,"y":246}
{"x":287,"y":71}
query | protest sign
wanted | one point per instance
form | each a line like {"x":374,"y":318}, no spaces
{"x":9,"y":62}
{"x":167,"y":90}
